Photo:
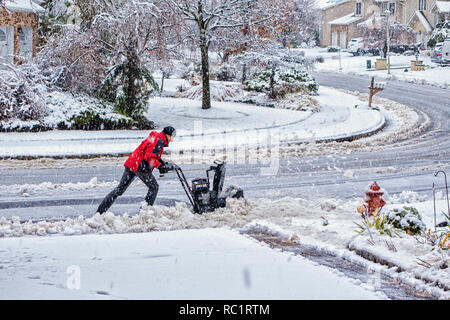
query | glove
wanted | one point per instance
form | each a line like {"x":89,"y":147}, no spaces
{"x":166,"y":167}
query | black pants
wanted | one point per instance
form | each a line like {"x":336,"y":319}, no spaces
{"x":128,"y":177}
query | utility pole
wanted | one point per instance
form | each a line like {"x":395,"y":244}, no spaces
{"x":388,"y":13}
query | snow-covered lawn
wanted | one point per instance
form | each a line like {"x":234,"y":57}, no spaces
{"x":225,"y":124}
{"x":187,"y":264}
{"x":434,"y":74}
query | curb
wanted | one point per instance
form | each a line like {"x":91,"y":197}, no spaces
{"x":374,"y":258}
{"x":348,"y":138}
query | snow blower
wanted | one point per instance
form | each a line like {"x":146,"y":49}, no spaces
{"x":202,"y":197}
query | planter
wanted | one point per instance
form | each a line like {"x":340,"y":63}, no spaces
{"x":381,"y":64}
{"x":417,"y":65}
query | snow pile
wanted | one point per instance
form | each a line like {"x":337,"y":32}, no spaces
{"x":160,"y":218}
{"x":404,"y":123}
{"x":407,"y":196}
{"x":26,"y":189}
{"x":299,"y":101}
{"x":222,"y":91}
{"x":234,"y":92}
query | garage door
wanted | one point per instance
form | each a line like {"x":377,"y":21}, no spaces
{"x":334,"y":39}
{"x":343,"y":39}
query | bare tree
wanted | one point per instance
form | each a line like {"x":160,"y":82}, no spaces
{"x":373,"y":31}
{"x":110,"y":52}
{"x":206,"y":21}
{"x":303,"y":21}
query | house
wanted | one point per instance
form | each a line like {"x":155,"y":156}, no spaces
{"x":19,"y":21}
{"x":341,"y":17}
{"x":441,"y":11}
{"x":330,"y":11}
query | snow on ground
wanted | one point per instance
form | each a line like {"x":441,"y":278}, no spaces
{"x":434,"y":74}
{"x":188,"y":264}
{"x":287,"y":216}
{"x":403,"y":123}
{"x":27,"y":189}
{"x":225,"y":124}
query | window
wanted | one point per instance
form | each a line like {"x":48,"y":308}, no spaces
{"x":422,"y":5}
{"x":383,"y":7}
{"x":21,"y":35}
{"x":358,"y":8}
{"x":392,"y":8}
{"x":2,"y":35}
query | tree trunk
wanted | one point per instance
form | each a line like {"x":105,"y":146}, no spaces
{"x":244,"y":73}
{"x":162,"y":82}
{"x":132,"y":91}
{"x":206,"y":99}
{"x":272,"y":84}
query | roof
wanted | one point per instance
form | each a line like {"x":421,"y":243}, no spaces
{"x":442,"y":6}
{"x":419,"y":15}
{"x":375,"y":21}
{"x":325,"y":4}
{"x":23,"y":6}
{"x":345,"y":20}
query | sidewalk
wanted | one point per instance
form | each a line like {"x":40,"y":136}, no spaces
{"x":226,"y":124}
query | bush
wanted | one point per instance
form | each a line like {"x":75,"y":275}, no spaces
{"x":285,"y":81}
{"x":22,"y":92}
{"x":129,"y":100}
{"x":440,"y":33}
{"x":89,"y":120}
{"x":332,"y":49}
{"x":407,"y":219}
{"x":226,"y":72}
{"x":319,"y":59}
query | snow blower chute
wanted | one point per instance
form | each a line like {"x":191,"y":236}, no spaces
{"x":202,"y":197}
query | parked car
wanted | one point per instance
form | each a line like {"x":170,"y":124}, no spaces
{"x":441,"y":52}
{"x":333,"y":49}
{"x":357,"y":48}
{"x":446,"y":51}
{"x":436,"y":52}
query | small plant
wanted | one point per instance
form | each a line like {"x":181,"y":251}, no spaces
{"x":407,"y":219}
{"x":379,"y":222}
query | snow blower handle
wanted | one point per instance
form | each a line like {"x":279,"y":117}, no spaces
{"x":171,"y":167}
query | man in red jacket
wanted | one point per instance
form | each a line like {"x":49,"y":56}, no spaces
{"x":141,"y":164}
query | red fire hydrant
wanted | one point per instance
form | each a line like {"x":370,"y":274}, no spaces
{"x":373,"y":198}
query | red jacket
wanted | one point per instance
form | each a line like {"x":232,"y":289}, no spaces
{"x":149,"y":150}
